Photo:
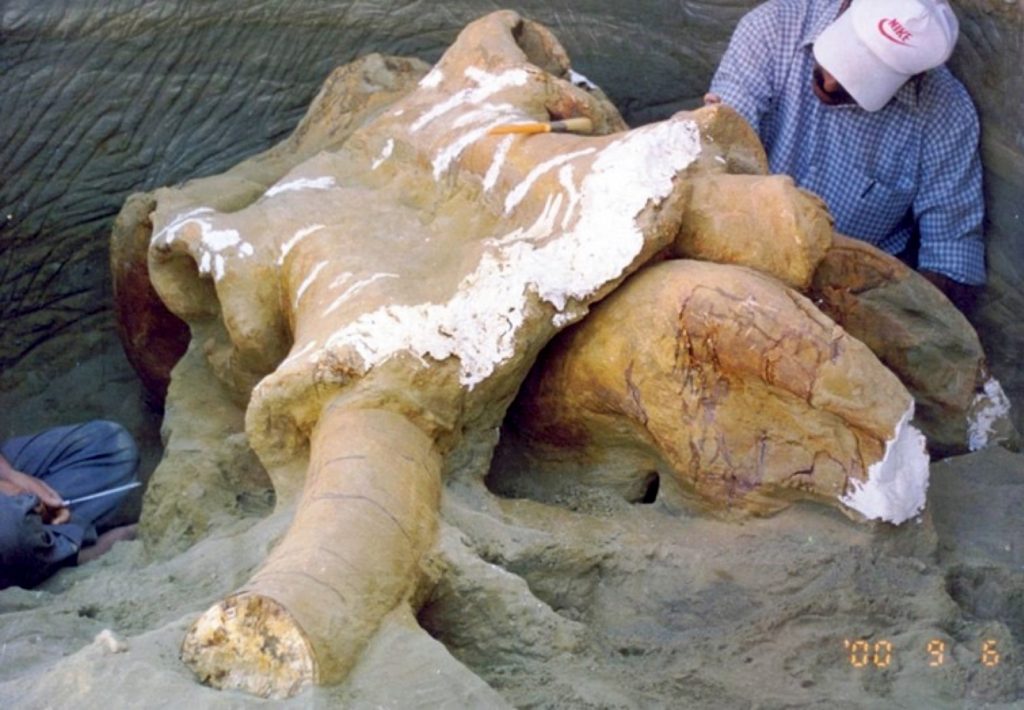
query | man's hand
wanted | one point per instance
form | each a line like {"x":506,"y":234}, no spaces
{"x":712,"y":99}
{"x":51,"y":506}
{"x":9,"y":489}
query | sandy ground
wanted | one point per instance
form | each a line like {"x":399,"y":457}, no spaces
{"x":584,"y":601}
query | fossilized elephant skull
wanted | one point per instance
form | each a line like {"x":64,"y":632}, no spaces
{"x":377,"y":296}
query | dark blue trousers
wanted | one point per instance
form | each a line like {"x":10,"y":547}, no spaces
{"x":75,"y":461}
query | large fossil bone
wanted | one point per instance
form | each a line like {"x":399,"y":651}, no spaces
{"x":735,"y":389}
{"x":921,"y":337}
{"x":383,"y":301}
{"x":376,"y":295}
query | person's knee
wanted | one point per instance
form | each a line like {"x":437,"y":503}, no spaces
{"x":100,"y":429}
{"x":119,"y":444}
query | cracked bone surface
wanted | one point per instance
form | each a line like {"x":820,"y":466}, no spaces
{"x":922,"y":337}
{"x":374,"y":290}
{"x":379,"y":304}
{"x":735,"y":389}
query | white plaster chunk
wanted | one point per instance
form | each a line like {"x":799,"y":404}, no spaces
{"x":476,"y":124}
{"x":213,"y":245}
{"x":497,"y":163}
{"x":215,"y":242}
{"x":219,"y":267}
{"x":487,"y":112}
{"x":309,"y":280}
{"x":388,"y":149}
{"x":625,"y":177}
{"x":568,"y":183}
{"x":109,"y":642}
{"x":542,"y":227}
{"x":340,"y":280}
{"x":218,"y":239}
{"x":571,"y":314}
{"x":487,"y":85}
{"x":169,"y":233}
{"x":577,"y":79}
{"x":320,"y":183}
{"x":354,"y":289}
{"x":896,"y":486}
{"x":296,"y":238}
{"x":478,"y":325}
{"x":988,"y":408}
{"x":433,"y":79}
{"x":516,"y":196}
{"x":450,"y":153}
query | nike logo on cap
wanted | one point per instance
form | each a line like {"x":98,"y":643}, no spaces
{"x":894,"y":31}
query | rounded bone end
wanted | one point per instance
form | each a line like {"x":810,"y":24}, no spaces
{"x":250,"y":643}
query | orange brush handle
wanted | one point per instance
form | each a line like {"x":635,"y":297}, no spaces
{"x":569,"y":125}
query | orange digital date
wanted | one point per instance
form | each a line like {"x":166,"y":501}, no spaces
{"x":880,"y":654}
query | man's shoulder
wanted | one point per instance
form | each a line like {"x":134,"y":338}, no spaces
{"x":943,"y":95}
{"x":794,"y":18}
{"x":794,"y":9}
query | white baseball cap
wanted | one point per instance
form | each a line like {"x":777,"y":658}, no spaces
{"x":876,"y":45}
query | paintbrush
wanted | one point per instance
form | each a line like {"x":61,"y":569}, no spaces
{"x":569,"y":125}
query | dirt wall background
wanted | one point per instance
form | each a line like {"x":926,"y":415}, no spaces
{"x":101,"y":99}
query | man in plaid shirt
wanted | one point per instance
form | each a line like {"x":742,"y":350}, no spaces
{"x":855,"y":104}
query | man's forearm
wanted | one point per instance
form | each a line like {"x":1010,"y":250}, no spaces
{"x":5,"y":468}
{"x":7,"y":485}
{"x":964,"y":296}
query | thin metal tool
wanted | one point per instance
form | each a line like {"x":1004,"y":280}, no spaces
{"x":101,"y":494}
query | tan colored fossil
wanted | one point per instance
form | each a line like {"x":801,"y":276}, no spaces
{"x":922,"y":337}
{"x":375,"y":290}
{"x":733,"y":388}
{"x":383,"y":300}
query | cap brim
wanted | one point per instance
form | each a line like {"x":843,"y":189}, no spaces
{"x":870,"y":82}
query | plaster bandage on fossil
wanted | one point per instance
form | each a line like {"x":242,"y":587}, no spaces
{"x":379,"y":303}
{"x":375,"y":291}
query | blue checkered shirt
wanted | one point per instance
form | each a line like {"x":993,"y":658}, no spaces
{"x":915,"y":163}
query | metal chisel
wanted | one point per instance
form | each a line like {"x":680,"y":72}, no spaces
{"x":101,"y":494}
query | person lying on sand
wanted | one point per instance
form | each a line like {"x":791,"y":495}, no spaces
{"x":42,"y":526}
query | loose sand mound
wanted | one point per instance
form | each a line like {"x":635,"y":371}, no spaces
{"x":635,"y":607}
